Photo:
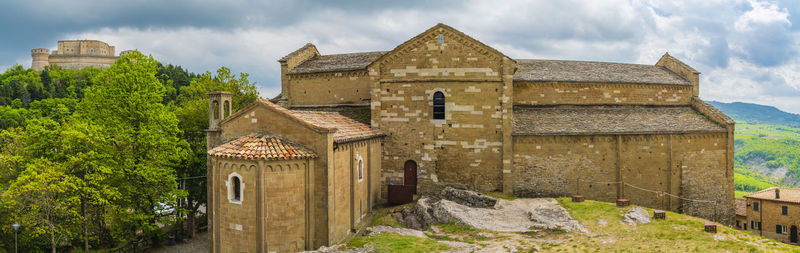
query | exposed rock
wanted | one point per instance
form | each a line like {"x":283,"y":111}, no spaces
{"x":467,"y":198}
{"x":602,"y":223}
{"x":636,"y":215}
{"x":554,"y":217}
{"x":401,"y":231}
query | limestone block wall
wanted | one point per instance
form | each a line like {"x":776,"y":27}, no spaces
{"x":352,"y":196}
{"x":284,"y":199}
{"x":464,"y":148}
{"x":81,"y":61}
{"x":345,"y":87}
{"x":582,"y":93}
{"x":235,"y":225}
{"x":272,"y":215}
{"x":255,"y":118}
{"x":84,"y":47}
{"x":769,"y":213}
{"x":692,"y":166}
{"x":341,"y":193}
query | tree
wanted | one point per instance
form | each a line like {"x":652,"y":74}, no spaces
{"x":143,"y":143}
{"x":192,"y":114}
{"x":43,"y":199}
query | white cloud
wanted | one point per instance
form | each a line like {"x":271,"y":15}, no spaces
{"x":729,"y":41}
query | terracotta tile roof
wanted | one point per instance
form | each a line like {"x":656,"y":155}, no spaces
{"x":594,"y":120}
{"x":602,"y":72}
{"x":740,"y":206}
{"x":336,"y":62}
{"x":347,"y":129}
{"x":262,"y":146}
{"x":791,"y":195}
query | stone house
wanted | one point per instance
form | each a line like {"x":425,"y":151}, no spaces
{"x":774,"y":213}
{"x":740,"y":208}
{"x":457,"y":112}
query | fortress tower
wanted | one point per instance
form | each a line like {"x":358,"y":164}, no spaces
{"x":76,"y":54}
{"x":41,"y":58}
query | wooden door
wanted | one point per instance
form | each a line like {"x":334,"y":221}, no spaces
{"x":793,"y":234}
{"x":410,"y":175}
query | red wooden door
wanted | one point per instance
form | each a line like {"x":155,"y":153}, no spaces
{"x":410,"y":174}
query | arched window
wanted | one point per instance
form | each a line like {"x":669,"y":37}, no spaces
{"x":227,"y":108}
{"x":215,"y":104}
{"x":360,"y":169}
{"x":438,"y":105}
{"x":235,"y":188}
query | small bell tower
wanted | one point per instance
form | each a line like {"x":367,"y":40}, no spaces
{"x":219,"y":108}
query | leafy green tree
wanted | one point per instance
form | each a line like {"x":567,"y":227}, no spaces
{"x":192,"y":114}
{"x":143,"y":143}
{"x":44,"y":200}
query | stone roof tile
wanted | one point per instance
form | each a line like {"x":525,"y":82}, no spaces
{"x":740,"y":206}
{"x":601,"y":72}
{"x":595,"y":120}
{"x":336,"y":62}
{"x":262,"y":146}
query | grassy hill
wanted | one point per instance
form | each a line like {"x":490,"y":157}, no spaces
{"x":767,"y":142}
{"x":607,"y":233}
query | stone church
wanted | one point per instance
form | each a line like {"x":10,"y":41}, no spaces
{"x":304,"y":169}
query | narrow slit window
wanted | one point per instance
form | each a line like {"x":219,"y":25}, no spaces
{"x":438,"y":105}
{"x":360,"y":169}
{"x":237,"y":189}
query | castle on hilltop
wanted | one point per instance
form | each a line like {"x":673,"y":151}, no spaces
{"x":443,"y":109}
{"x":76,"y":54}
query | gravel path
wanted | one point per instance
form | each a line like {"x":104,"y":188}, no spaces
{"x":197,"y":244}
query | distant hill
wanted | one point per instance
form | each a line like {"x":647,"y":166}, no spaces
{"x":757,"y":114}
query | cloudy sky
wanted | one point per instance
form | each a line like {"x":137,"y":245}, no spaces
{"x":747,"y":50}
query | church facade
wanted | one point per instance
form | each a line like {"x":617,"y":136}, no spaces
{"x":445,"y":109}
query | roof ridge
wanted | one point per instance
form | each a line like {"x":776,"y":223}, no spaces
{"x":295,"y":52}
{"x":606,"y":62}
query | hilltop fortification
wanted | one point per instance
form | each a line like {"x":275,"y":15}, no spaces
{"x":76,"y":54}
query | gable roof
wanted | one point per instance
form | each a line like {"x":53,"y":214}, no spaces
{"x":446,"y":27}
{"x":740,"y":206}
{"x":262,"y":146}
{"x":791,"y":195}
{"x":602,"y":72}
{"x":295,"y":52}
{"x":344,"y":129}
{"x":347,"y":129}
{"x":598,"y":120}
{"x":336,"y":62}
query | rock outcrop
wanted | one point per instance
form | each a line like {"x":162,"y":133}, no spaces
{"x":468,"y":198}
{"x":636,"y":215}
{"x":554,"y":217}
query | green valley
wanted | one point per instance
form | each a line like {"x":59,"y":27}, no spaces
{"x":767,"y":142}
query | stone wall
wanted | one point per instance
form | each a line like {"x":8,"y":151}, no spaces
{"x":769,"y":213}
{"x":466,"y":147}
{"x":255,"y":118}
{"x":581,"y":93}
{"x":341,"y":190}
{"x":235,"y":226}
{"x":345,"y":87}
{"x":285,"y":205}
{"x":272,"y":214}
{"x":352,"y":195}
{"x":692,"y":166}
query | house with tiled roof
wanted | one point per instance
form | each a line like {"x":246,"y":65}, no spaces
{"x":774,"y":213}
{"x":444,"y":109}
{"x":740,"y":208}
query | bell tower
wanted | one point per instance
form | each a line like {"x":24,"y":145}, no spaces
{"x":219,"y":108}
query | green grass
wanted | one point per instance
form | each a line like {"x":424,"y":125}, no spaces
{"x":391,"y":242}
{"x":677,"y":233}
{"x":740,"y":194}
